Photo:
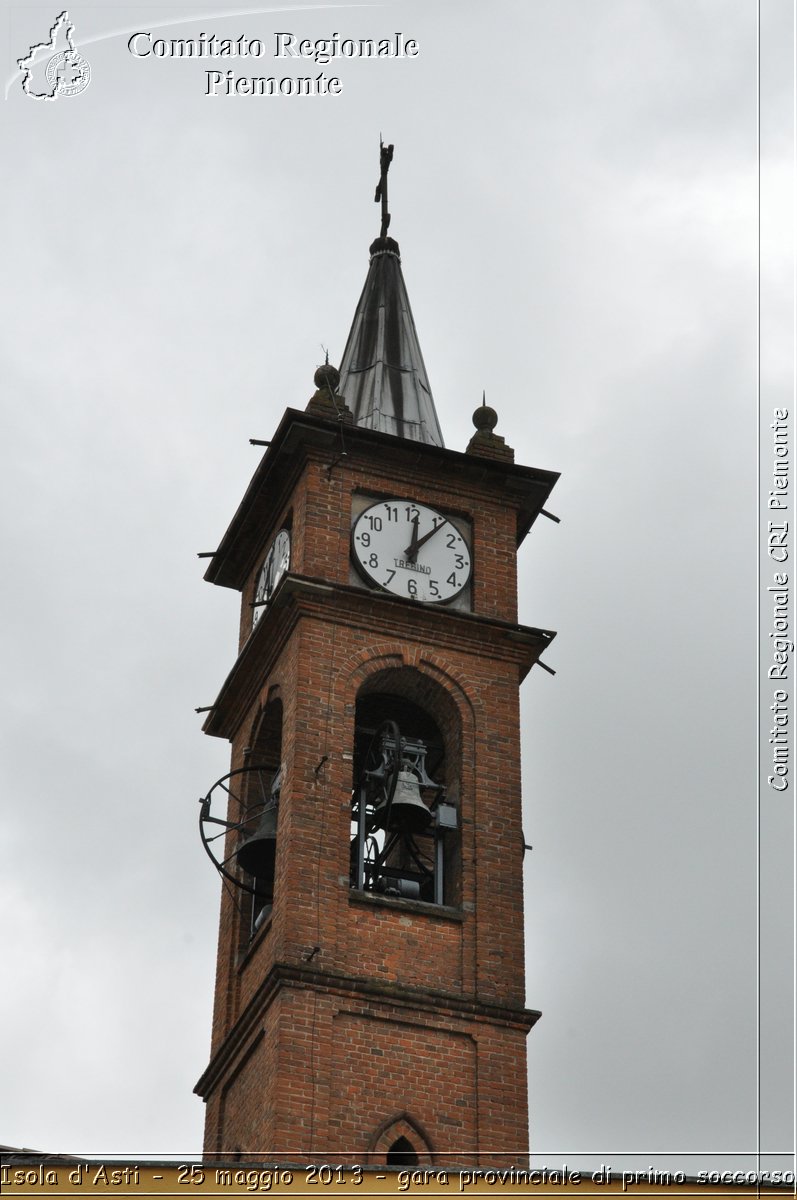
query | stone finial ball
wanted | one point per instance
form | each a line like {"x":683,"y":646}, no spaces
{"x":327,"y":376}
{"x":485,"y":418}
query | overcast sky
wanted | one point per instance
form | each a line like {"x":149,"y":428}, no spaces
{"x":574,"y":193}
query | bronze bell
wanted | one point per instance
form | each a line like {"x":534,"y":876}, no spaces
{"x":257,"y":853}
{"x":408,"y":813}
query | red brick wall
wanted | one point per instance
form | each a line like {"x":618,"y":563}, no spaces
{"x":329,"y":1072}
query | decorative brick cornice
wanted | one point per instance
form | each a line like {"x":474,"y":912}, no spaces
{"x":299,"y":597}
{"x":418,"y":1002}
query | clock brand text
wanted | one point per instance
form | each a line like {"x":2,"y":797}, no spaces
{"x":411,"y":566}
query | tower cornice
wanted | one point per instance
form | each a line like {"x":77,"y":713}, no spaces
{"x":301,"y":435}
{"x":394,"y":617}
{"x":417,"y":1001}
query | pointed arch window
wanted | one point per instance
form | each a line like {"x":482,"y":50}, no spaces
{"x":400,"y":1142}
{"x":402,"y":1154}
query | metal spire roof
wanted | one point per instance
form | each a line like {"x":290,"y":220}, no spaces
{"x":382,"y":374}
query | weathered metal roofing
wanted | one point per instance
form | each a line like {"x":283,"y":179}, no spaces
{"x":382,"y":375}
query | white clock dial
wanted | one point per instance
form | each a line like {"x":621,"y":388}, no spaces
{"x":411,"y":550}
{"x":276,"y":563}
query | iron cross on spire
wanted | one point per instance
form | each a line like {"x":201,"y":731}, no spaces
{"x":385,"y":159}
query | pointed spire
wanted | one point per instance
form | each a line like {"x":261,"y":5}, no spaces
{"x":382,"y":373}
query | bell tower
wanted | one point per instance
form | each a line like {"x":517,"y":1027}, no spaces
{"x":370,"y":1001}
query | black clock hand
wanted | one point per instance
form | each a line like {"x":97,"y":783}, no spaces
{"x":412,"y":551}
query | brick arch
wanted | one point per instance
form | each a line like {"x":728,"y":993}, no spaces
{"x":265,"y":731}
{"x":401,"y":1125}
{"x":363,"y":662}
{"x":370,"y":660}
{"x":264,"y":711}
{"x":247,"y":735}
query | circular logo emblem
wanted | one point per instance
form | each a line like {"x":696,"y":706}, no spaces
{"x":69,"y":72}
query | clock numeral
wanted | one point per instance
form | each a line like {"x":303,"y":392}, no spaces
{"x":433,"y":588}
{"x":460,"y":561}
{"x":412,"y":512}
{"x":373,"y":560}
{"x":451,"y":541}
{"x":364,"y":539}
{"x":390,"y":576}
{"x":412,"y":587}
{"x":374,"y":522}
{"x":392,"y":512}
{"x":452,"y":579}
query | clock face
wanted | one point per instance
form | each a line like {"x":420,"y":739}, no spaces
{"x":411,"y":550}
{"x":274,"y":567}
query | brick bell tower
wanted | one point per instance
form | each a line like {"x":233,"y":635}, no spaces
{"x":369,"y":1003}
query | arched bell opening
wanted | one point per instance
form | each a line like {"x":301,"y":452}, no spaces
{"x":405,"y":815}
{"x":256,"y":852}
